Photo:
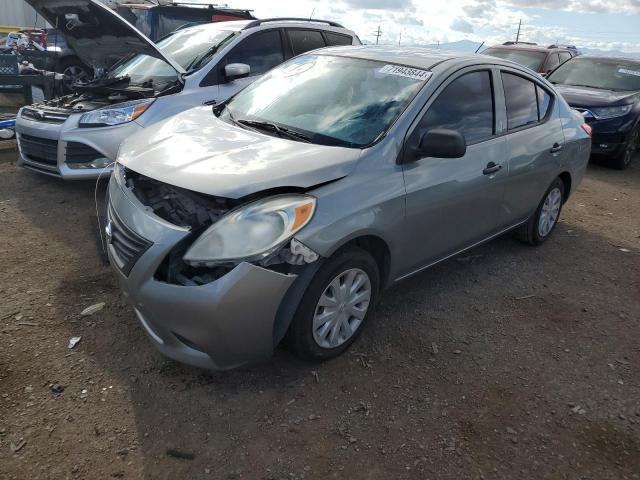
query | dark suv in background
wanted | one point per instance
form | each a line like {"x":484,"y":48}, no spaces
{"x":538,"y":58}
{"x":606,"y":91}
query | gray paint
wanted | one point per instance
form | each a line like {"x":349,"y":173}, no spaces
{"x":424,"y":211}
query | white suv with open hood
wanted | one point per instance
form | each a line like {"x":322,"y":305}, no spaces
{"x":140,"y":83}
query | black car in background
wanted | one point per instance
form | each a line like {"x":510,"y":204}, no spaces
{"x":607,"y":92}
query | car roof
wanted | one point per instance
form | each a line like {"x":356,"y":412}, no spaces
{"x":530,"y":48}
{"x":238,"y":25}
{"x":416,"y":57}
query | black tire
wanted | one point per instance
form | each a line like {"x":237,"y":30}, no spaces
{"x":529,"y":232}
{"x":622,"y":161}
{"x":69,"y":64}
{"x":300,"y":337}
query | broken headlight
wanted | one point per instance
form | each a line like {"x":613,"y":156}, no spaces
{"x":116,"y":115}
{"x":252,"y":232}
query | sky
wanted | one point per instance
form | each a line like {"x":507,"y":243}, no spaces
{"x":601,"y":24}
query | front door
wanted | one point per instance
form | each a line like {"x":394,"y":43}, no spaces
{"x":261,"y":51}
{"x":454,"y":203}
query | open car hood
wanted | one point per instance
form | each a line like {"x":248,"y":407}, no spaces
{"x":196,"y":151}
{"x":98,"y":35}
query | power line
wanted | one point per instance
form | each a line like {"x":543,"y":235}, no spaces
{"x":377,"y":34}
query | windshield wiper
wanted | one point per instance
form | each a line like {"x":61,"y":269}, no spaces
{"x":196,"y":62}
{"x":279,"y":130}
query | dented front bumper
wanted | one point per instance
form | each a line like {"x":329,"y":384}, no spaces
{"x":220,"y":325}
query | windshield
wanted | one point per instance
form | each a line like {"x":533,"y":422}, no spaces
{"x":331,"y":100}
{"x":190,"y":48}
{"x":608,"y":74}
{"x":532,"y":60}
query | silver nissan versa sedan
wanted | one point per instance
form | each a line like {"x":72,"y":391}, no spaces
{"x":283,"y":213}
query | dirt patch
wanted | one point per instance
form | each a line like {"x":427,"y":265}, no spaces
{"x":510,"y":362}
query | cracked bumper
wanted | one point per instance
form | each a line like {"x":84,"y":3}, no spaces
{"x":221,"y":325}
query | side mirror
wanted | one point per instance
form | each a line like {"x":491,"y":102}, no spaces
{"x":236,"y":70}
{"x":441,"y":143}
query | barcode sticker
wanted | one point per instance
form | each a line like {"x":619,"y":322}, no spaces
{"x":408,"y":72}
{"x":629,"y":72}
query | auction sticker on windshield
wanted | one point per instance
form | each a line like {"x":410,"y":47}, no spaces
{"x":629,"y":72}
{"x":408,"y":72}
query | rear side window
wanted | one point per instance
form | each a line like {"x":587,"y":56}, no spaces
{"x":552,"y":62}
{"x":261,"y":51}
{"x":335,"y":39}
{"x":304,"y":40}
{"x":521,"y":99}
{"x":465,"y":105}
{"x":564,"y":56}
{"x":544,"y":102}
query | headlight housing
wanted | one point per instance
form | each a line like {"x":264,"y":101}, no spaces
{"x":252,"y":232}
{"x":611,"y":112}
{"x":115,"y":115}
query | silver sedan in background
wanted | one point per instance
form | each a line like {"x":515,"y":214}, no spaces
{"x":284,"y":212}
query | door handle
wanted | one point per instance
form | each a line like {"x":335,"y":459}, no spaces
{"x":556,"y":148}
{"x":491,"y":168}
{"x":210,"y":102}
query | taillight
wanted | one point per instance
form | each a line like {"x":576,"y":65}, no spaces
{"x":587,"y":128}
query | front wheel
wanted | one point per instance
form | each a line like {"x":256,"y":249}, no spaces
{"x":335,"y":306}
{"x":541,"y":224}
{"x":623,"y":160}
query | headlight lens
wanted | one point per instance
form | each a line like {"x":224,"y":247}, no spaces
{"x":611,"y":112}
{"x":116,"y":115}
{"x":118,"y":174}
{"x":252,"y":232}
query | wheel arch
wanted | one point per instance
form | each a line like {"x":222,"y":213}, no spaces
{"x":566,"y":181}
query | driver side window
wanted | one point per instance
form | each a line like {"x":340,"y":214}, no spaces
{"x":465,"y":105}
{"x":261,"y":51}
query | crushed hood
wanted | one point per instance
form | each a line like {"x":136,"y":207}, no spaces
{"x":98,"y":35}
{"x":197,"y":151}
{"x":593,"y":97}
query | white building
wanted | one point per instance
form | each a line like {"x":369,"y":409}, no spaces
{"x":17,"y":13}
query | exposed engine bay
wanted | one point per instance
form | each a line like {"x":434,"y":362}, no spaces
{"x":102,"y":93}
{"x":197,"y":212}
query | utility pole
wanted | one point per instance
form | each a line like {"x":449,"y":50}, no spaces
{"x":518,"y":34}
{"x":400,"y":39}
{"x":377,"y":34}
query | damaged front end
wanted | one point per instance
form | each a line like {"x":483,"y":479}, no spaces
{"x":194,"y":261}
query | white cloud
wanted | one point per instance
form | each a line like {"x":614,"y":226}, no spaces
{"x":461,"y":25}
{"x":421,"y":22}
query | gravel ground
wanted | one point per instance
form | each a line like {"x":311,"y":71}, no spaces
{"x":510,"y":362}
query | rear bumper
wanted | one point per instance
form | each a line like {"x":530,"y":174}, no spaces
{"x":221,"y":325}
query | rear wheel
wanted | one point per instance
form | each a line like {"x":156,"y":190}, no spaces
{"x":622,"y":161}
{"x":335,"y":306}
{"x":541,"y":224}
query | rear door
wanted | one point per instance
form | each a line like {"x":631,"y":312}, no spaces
{"x":535,"y":142}
{"x":455,"y":202}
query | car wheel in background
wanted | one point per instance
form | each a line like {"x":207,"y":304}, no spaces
{"x":74,"y":70}
{"x":542,"y":223}
{"x":335,"y":306}
{"x":623,"y":160}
